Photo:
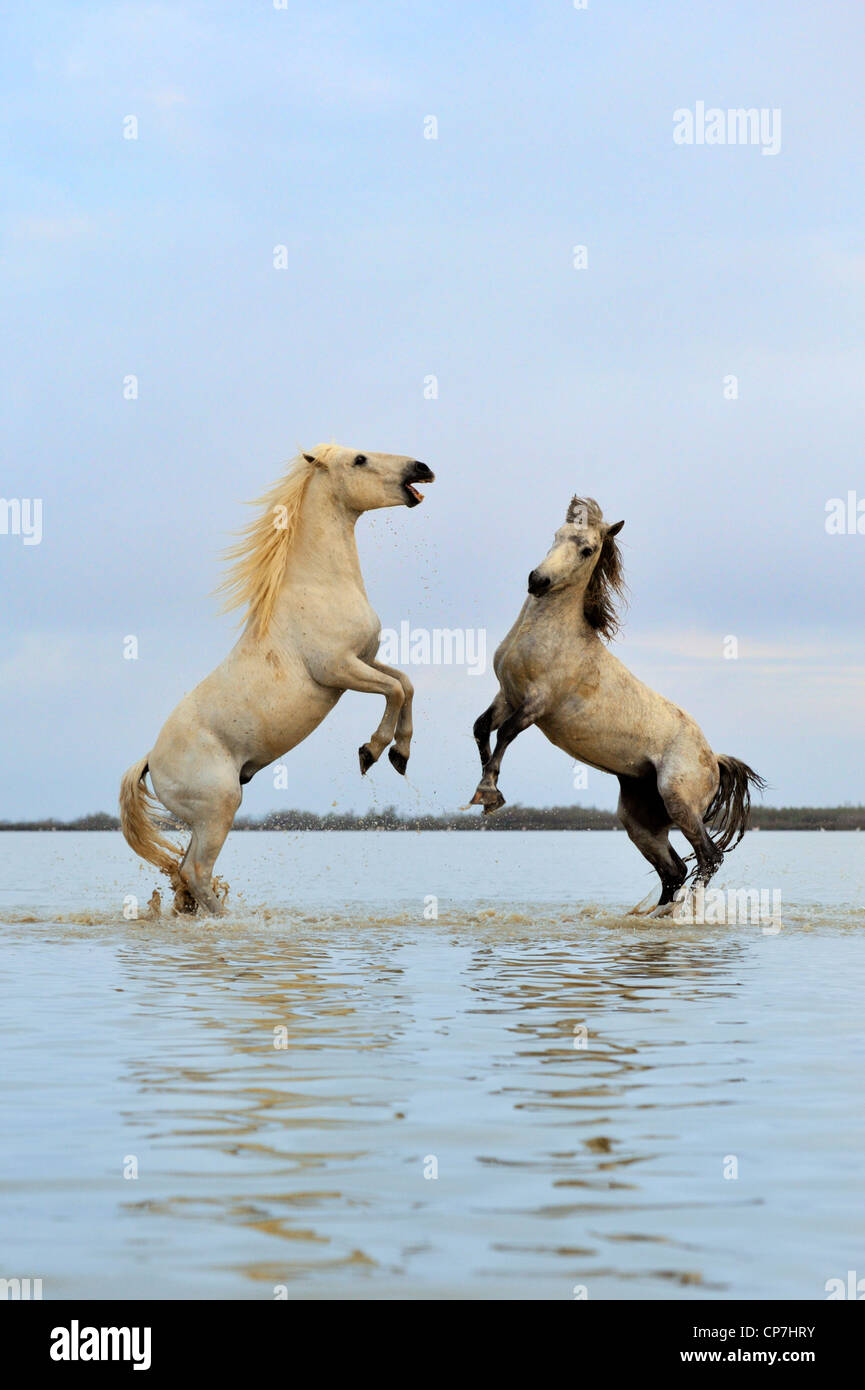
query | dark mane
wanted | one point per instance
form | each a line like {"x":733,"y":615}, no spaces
{"x":607,"y":588}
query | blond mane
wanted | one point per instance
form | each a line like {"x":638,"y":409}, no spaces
{"x":259,"y":557}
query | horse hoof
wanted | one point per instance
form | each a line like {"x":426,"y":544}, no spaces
{"x":488,"y":797}
{"x":644,"y":906}
{"x":184,"y":903}
{"x":366,"y":759}
{"x":662,"y":910}
{"x":398,"y":760}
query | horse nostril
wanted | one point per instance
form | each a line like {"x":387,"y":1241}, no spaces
{"x":538,"y":584}
{"x":423,"y":473}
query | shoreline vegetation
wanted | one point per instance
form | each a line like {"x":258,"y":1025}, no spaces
{"x":509,"y":818}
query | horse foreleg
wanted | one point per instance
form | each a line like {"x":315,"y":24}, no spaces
{"x":491,"y":719}
{"x":354,"y":674}
{"x":488,"y":794}
{"x":399,"y":753}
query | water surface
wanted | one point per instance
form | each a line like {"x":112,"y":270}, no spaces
{"x":286,"y":1081}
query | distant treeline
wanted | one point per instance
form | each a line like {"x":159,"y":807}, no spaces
{"x":510,"y":818}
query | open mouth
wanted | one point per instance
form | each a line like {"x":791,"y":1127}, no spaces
{"x":419,"y":474}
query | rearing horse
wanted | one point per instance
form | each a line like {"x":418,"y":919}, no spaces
{"x":555,"y":671}
{"x":311,"y":634}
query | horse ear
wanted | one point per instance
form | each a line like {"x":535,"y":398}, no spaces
{"x":615,"y":528}
{"x":310,"y":458}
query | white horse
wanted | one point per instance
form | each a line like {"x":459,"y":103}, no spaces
{"x":554,"y":671}
{"x":311,"y":634}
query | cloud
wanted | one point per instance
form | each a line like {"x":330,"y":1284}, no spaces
{"x":797,"y":652}
{"x":165,"y":98}
{"x":69,"y":228}
{"x":41,"y":661}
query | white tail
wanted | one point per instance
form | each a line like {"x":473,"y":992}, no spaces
{"x":139,"y":827}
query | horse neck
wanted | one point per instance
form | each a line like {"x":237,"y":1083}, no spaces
{"x":565,"y":608}
{"x":324,"y":546}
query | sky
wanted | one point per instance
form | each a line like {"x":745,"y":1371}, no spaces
{"x":606,"y":372}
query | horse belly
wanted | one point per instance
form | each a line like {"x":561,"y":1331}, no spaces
{"x":590,"y":742}
{"x":253,"y":712}
{"x":282,"y":713}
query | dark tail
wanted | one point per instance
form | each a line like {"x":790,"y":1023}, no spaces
{"x":729,"y":812}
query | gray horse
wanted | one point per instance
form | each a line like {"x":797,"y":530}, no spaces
{"x":555,"y":671}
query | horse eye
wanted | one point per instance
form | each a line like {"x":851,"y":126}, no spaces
{"x":360,"y":460}
{"x":587,"y":550}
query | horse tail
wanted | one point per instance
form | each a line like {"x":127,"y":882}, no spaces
{"x":139,"y":826}
{"x":729,"y":811}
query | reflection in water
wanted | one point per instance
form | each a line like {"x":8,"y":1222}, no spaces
{"x":508,"y":1101}
{"x":316,"y":1079}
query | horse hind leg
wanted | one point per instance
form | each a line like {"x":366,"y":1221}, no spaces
{"x":208,"y":807}
{"x":669,"y":866}
{"x":647,"y":822}
{"x":209,"y":831}
{"x":184,"y":899}
{"x":709,"y":857}
{"x":686,"y":799}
